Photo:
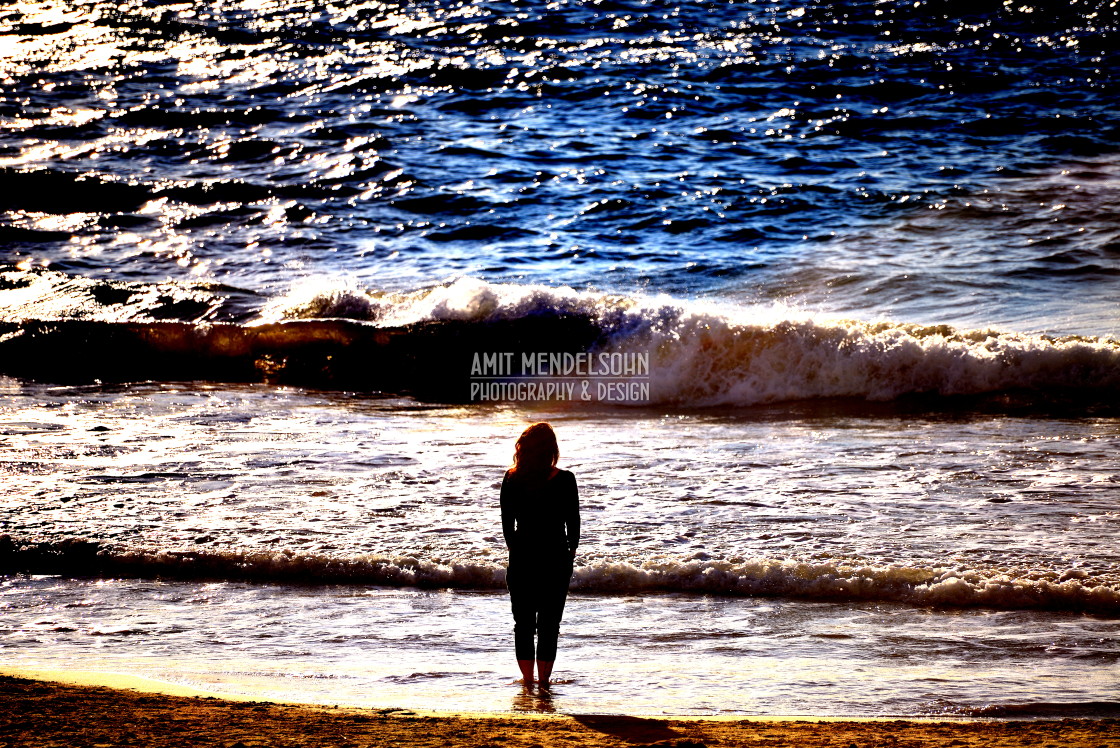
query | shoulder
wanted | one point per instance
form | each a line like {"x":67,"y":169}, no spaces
{"x":568,"y":488}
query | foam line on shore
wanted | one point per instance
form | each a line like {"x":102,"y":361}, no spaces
{"x":827,"y":579}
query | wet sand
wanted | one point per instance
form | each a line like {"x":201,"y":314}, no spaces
{"x":42,"y":713}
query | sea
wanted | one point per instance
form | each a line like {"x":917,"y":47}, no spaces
{"x":821,"y":297}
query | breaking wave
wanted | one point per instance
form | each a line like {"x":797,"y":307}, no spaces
{"x":1072,"y":590}
{"x":424,"y":343}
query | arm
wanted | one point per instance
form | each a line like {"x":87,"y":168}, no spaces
{"x":572,"y":519}
{"x":509,"y":524}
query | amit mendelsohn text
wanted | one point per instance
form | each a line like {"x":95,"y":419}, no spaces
{"x":606,"y":377}
{"x":561,"y":365}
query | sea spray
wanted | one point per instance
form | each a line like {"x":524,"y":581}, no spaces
{"x":427,"y":343}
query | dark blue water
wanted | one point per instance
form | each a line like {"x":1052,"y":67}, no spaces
{"x":896,"y":158}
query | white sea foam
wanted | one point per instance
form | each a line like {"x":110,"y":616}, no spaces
{"x":706,"y":360}
{"x":766,"y":577}
{"x":322,"y":299}
{"x":463,"y":300}
{"x":701,"y":354}
{"x":705,"y":354}
{"x":829,"y":580}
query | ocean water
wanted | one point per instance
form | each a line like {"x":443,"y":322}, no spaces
{"x":281,"y":282}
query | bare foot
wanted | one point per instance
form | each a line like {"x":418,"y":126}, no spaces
{"x":526,"y":672}
{"x":544,"y":673}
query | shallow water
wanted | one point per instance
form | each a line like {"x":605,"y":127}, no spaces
{"x":825,"y":538}
{"x":971,"y":509}
{"x":636,"y":654}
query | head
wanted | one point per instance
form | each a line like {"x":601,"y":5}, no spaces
{"x":536,"y":451}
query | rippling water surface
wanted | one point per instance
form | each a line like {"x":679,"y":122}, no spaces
{"x":896,"y":501}
{"x":869,"y":565}
{"x":658,"y":655}
{"x":937,"y":162}
{"x":249,"y":248}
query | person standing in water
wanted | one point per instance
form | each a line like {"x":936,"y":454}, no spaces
{"x":540,"y":521}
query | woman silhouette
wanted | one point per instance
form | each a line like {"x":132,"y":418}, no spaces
{"x":540,"y":521}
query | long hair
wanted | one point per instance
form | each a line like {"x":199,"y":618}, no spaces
{"x":536,"y":452}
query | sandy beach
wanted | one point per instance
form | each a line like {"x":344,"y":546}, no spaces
{"x":51,"y":713}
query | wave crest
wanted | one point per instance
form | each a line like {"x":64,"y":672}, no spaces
{"x":423,"y":343}
{"x":713,"y":355}
{"x":701,"y":360}
{"x":831,"y":580}
{"x":759,"y":577}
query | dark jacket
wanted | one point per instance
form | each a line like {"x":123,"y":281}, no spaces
{"x":540,"y":521}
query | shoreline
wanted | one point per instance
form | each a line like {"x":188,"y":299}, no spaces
{"x":155,"y":687}
{"x":143,"y":712}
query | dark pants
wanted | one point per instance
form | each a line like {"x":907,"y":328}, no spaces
{"x":537,"y":597}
